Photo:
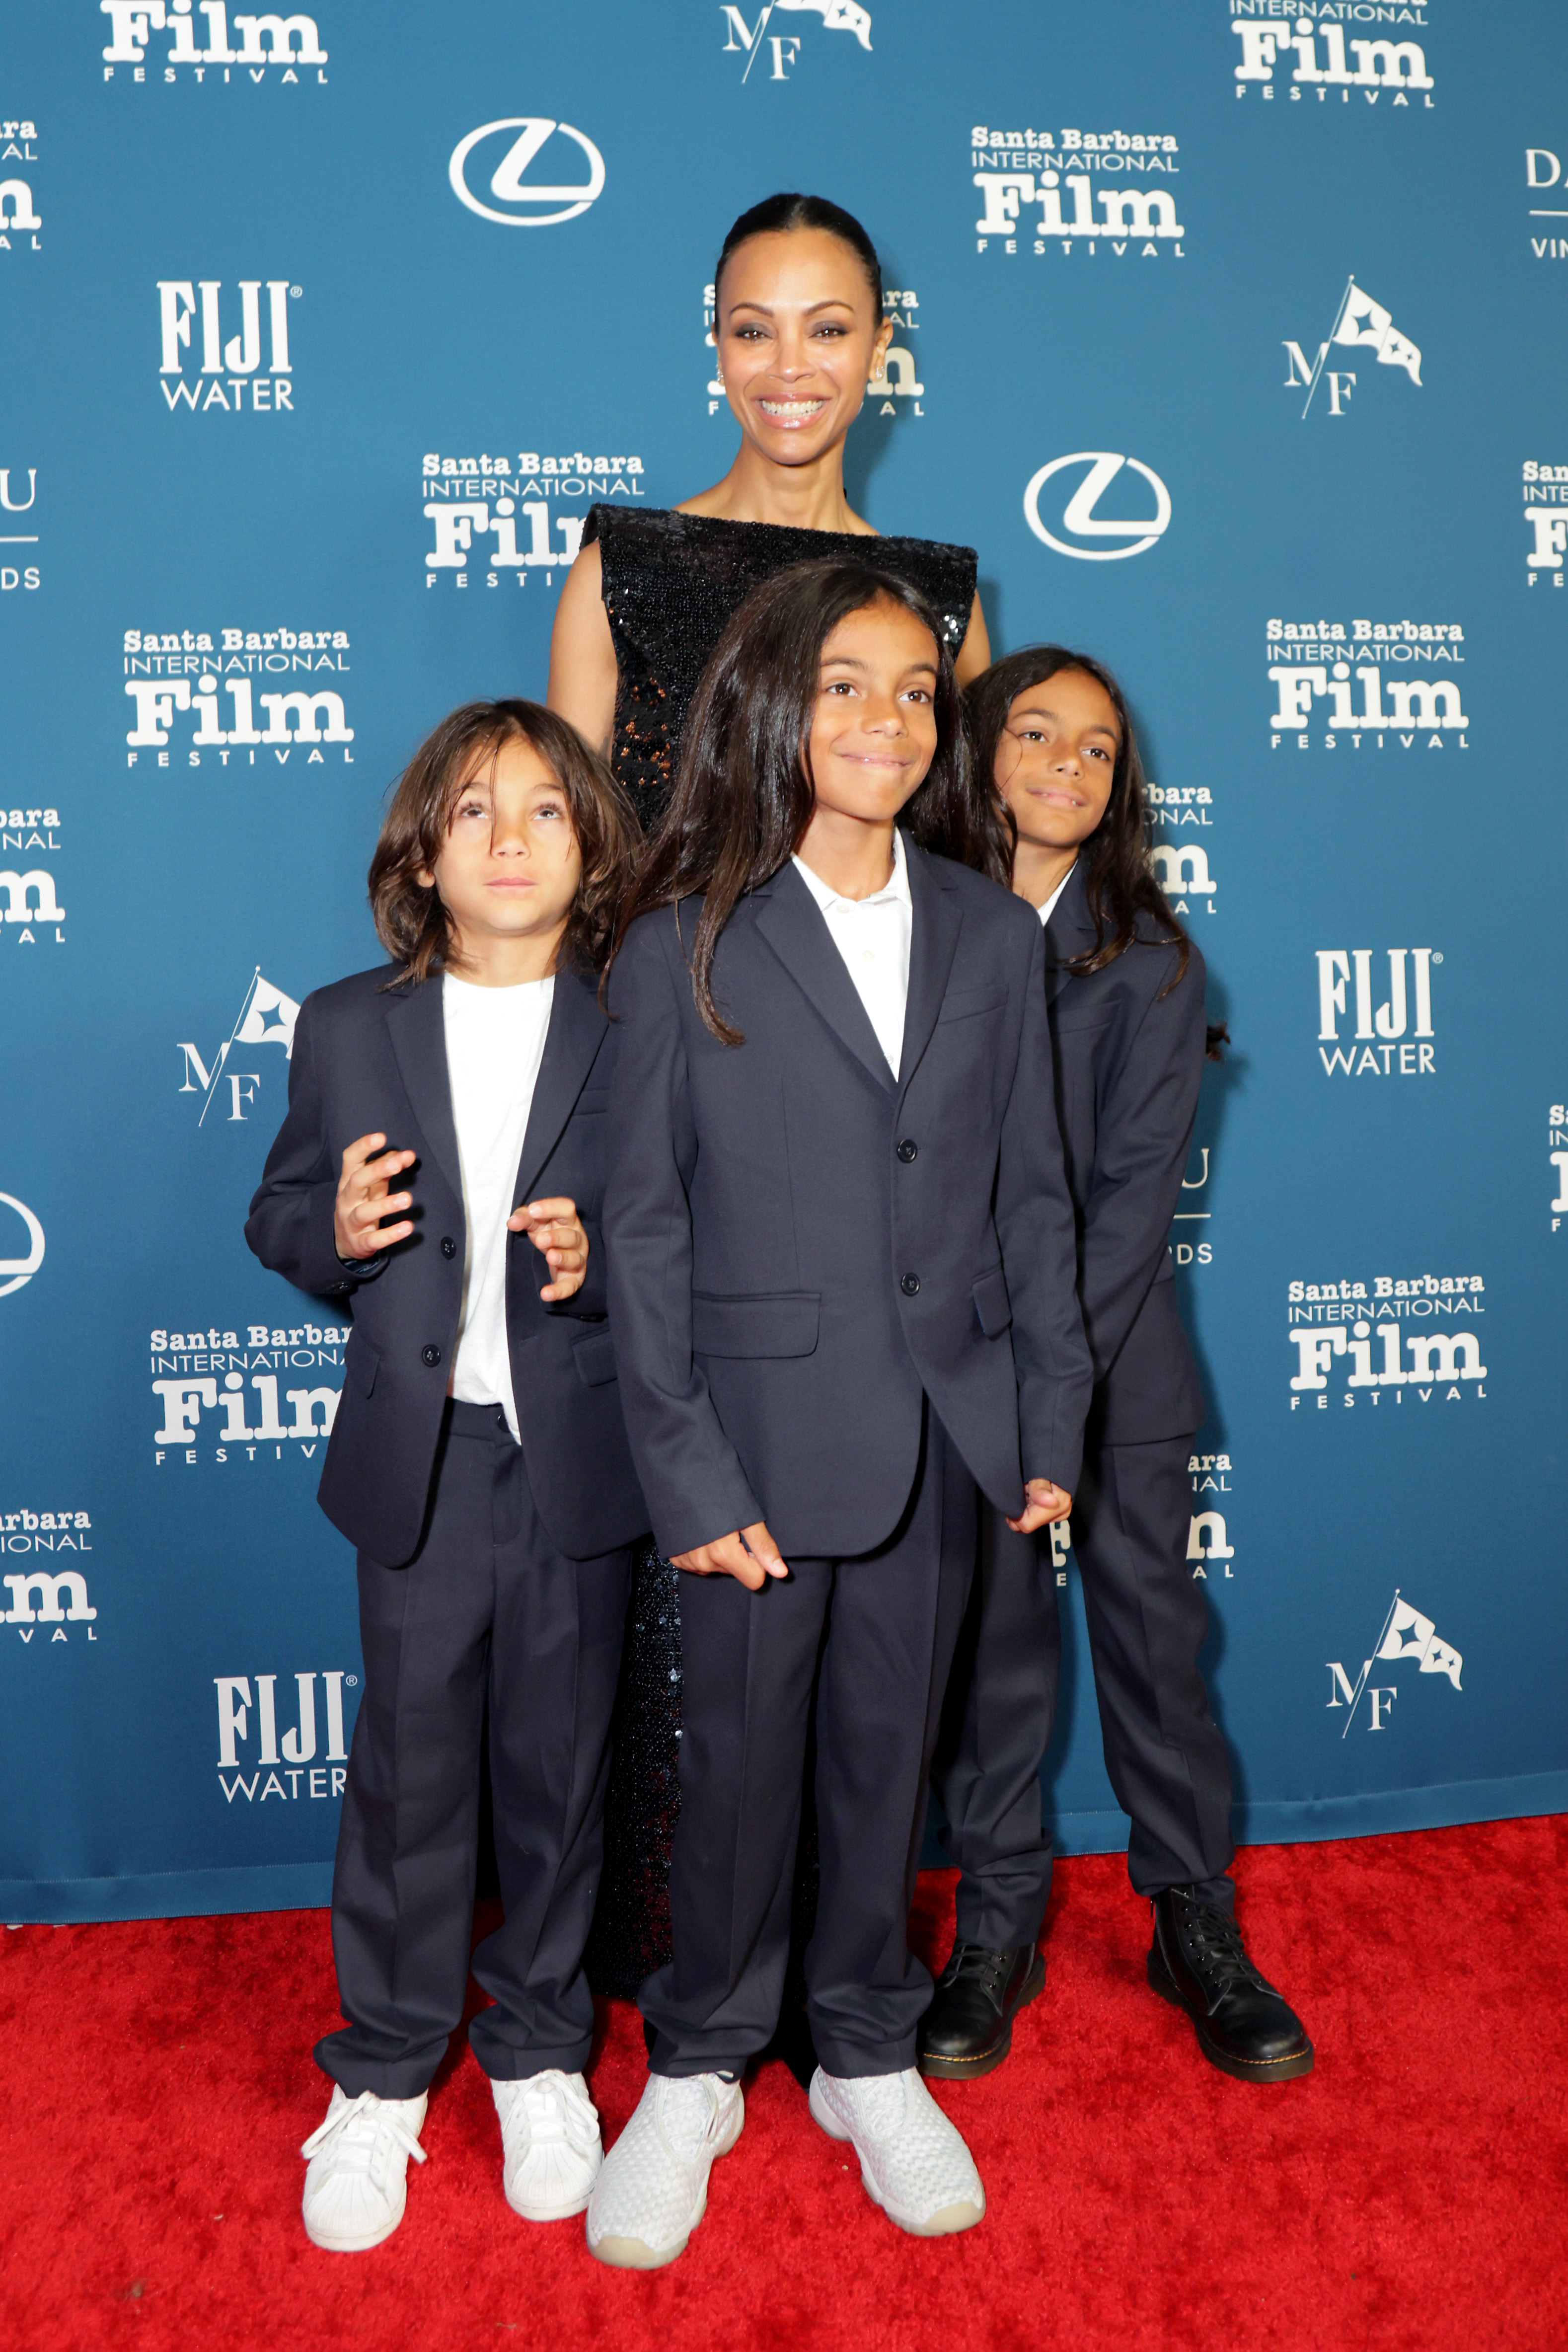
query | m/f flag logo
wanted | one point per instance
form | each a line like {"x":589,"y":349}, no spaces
{"x":265,"y":1017}
{"x":1405,"y":1634}
{"x":1359,"y":321}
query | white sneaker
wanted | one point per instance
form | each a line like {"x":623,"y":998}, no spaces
{"x":357,"y":2184}
{"x":653,"y":2191}
{"x":914,"y":2162}
{"x":551,"y":2150}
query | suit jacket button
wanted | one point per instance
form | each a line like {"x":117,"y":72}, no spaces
{"x":909,"y":1284}
{"x":908,"y":1151}
{"x":432,"y":1356}
{"x":448,"y":1247}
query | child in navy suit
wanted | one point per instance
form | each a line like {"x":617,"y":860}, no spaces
{"x":446,"y":1123}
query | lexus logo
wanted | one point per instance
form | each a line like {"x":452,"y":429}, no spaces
{"x":532,"y":203}
{"x":22,"y":1269}
{"x":1079,"y":516}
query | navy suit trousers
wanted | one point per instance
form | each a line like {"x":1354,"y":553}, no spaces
{"x":487,"y":1609}
{"x":875,"y":1636}
{"x":1164,"y":1753}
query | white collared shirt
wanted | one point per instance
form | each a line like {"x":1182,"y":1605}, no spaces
{"x":495,"y":1044}
{"x":1049,"y":908}
{"x":873,"y":935}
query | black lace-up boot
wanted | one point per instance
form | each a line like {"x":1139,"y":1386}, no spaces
{"x":968,"y":2028}
{"x":1199,"y":1963}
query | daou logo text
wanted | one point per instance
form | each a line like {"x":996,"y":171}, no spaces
{"x":265,"y":42}
{"x":203,"y":1372}
{"x":205,"y":681}
{"x":1352,"y":682}
{"x":19,"y":220}
{"x":900,"y":377}
{"x":265,"y":1017}
{"x":1369,"y":1341}
{"x":1543,"y":169}
{"x":1359,"y":321}
{"x":30,"y":910}
{"x":1372,"y":68}
{"x":312,"y":1750}
{"x":1208,"y":1542}
{"x":491,"y":515}
{"x":1388,"y":1039}
{"x":39,"y":1597}
{"x":783,"y":49}
{"x":231,"y":366}
{"x":1018,"y":171}
{"x":1557,"y":1160}
{"x":1081,"y":515}
{"x":519,"y":203}
{"x":1546,"y":519}
{"x":1405,"y":1634}
{"x":1181,"y":864}
{"x":17,"y":1266}
{"x":17,"y":572}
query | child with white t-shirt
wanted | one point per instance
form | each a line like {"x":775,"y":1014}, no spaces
{"x":445,"y":1120}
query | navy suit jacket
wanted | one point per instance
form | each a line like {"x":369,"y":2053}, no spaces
{"x":1129,"y":1062}
{"x":371,"y":1060}
{"x":799,"y":1244}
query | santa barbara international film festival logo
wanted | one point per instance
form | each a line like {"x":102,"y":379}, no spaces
{"x":1359,"y":1037}
{"x":482,"y":168}
{"x":31,"y":914}
{"x":1375,"y":1342}
{"x":312,"y":1754}
{"x":270,"y":48}
{"x":491,"y":519}
{"x":1405,"y":1634}
{"x":1361,"y":685}
{"x":1360,"y":323}
{"x":782,"y":51}
{"x":1062,"y":506}
{"x":230,"y":365}
{"x":265,"y":1017}
{"x":1039,"y":190}
{"x":1180,"y":816}
{"x":224,"y":1399}
{"x":43,"y":1584}
{"x":1307,"y":57}
{"x":1557,"y":1159}
{"x":899,"y":382}
{"x":202,"y":690}
{"x":1546,"y":521}
{"x":19,"y":217}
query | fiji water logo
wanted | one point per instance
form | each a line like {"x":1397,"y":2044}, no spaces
{"x":231,"y":365}
{"x":1391,"y":1039}
{"x":1372,"y":68}
{"x":1406,"y":1633}
{"x":782,"y":51}
{"x":312,"y":1749}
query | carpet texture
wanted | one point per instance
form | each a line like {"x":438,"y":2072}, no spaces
{"x":1410,"y":2192}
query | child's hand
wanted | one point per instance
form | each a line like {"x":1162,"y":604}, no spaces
{"x":364,"y":1199}
{"x":750,"y":1556}
{"x":1045,"y":1503}
{"x":553,"y":1226}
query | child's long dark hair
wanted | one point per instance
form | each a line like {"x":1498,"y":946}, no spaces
{"x":1119,"y":875}
{"x":743,"y":795}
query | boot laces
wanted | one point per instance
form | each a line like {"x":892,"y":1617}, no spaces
{"x":1215,"y":1949}
{"x":990,"y":1969}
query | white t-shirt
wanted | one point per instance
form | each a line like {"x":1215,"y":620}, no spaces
{"x":495,"y":1044}
{"x":873,"y":935}
{"x":1049,"y":908}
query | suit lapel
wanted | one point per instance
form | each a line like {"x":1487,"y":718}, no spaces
{"x":791,"y":922}
{"x":413,"y":1018}
{"x":577,"y":1027}
{"x":938,"y":922}
{"x":1068,"y":933}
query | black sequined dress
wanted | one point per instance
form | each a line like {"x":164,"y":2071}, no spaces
{"x":670,"y":583}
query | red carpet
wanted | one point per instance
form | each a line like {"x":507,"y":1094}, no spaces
{"x":1410,"y":2192}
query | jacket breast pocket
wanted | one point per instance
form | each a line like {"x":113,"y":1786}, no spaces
{"x":965,"y":1004}
{"x":762,"y":1323}
{"x":595,"y":1358}
{"x":589,"y":1104}
{"x":992,"y":1303}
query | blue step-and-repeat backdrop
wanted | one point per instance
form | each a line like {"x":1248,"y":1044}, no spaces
{"x":1231,"y":331}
